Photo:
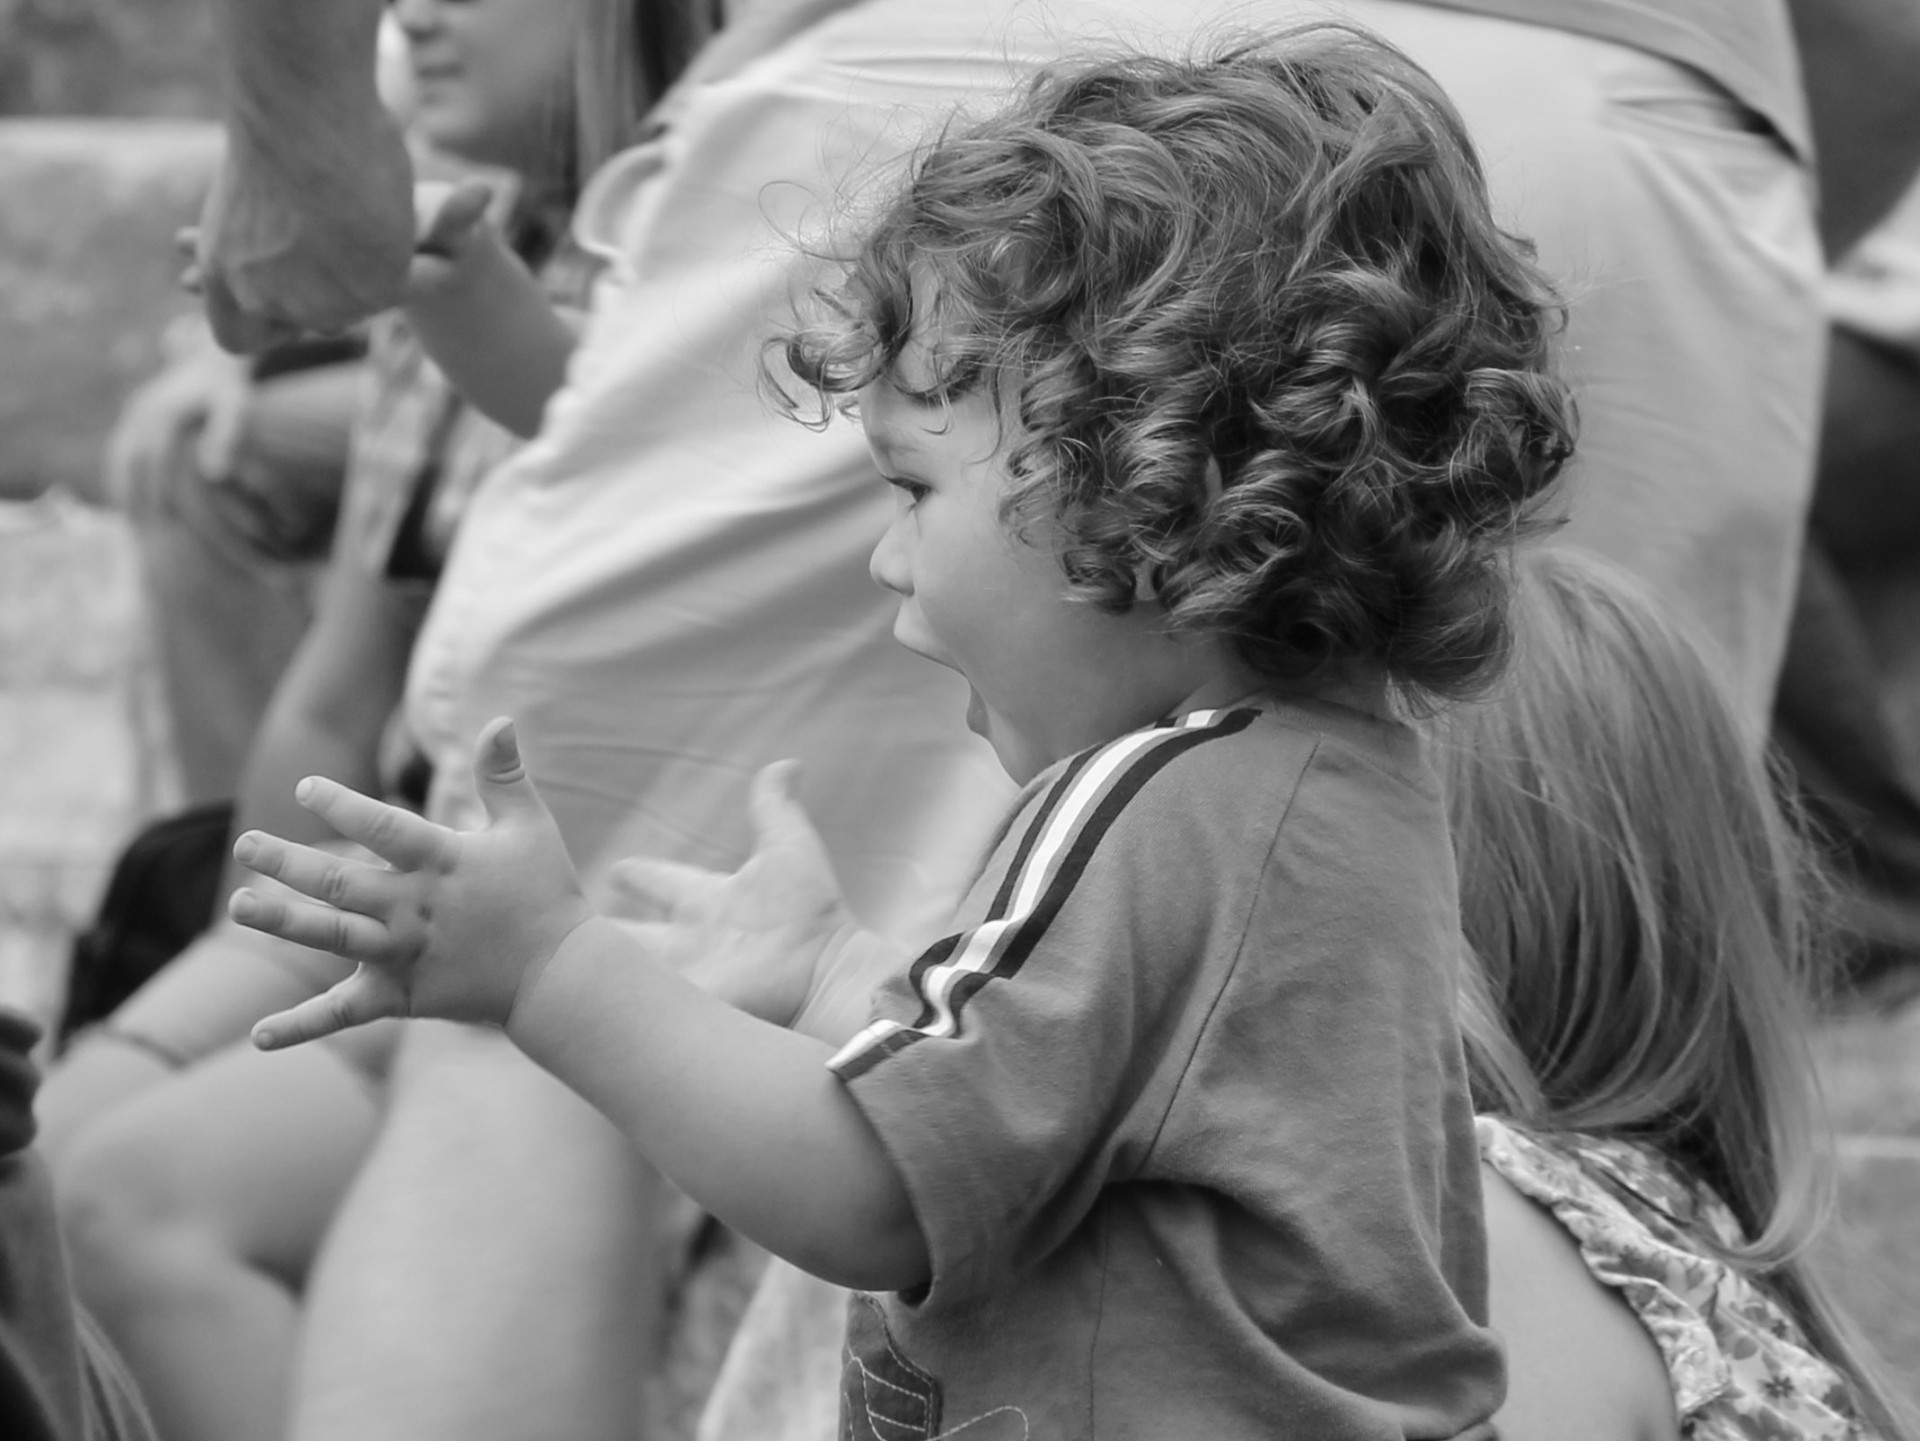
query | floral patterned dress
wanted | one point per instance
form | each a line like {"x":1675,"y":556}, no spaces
{"x":1739,"y":1363}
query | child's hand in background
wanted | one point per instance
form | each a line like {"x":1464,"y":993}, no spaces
{"x":451,"y":926}
{"x":454,"y":228}
{"x":771,"y":937}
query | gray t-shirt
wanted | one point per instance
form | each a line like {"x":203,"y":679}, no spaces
{"x":1182,"y":1111}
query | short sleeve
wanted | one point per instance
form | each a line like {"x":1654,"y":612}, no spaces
{"x":1020,"y":1063}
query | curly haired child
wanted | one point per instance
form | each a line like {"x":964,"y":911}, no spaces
{"x":1646,"y":920}
{"x":1212,"y":399}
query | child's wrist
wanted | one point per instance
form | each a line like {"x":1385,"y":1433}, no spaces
{"x":546,"y":980}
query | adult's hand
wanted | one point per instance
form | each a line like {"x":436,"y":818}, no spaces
{"x":201,"y":397}
{"x":309,"y":224}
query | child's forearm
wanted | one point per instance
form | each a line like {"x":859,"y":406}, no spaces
{"x":742,"y":1115}
{"x":496,"y":335}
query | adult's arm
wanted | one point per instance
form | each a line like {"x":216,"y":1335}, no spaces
{"x":309,"y":224}
{"x":1859,"y":59}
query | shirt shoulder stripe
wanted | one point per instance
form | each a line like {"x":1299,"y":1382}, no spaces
{"x":1048,"y":862}
{"x":1061,"y":786}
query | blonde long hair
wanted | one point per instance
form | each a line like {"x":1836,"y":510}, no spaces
{"x":627,"y":54}
{"x":1647,"y":919}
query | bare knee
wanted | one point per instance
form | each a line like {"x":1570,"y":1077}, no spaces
{"x":138,"y":1232}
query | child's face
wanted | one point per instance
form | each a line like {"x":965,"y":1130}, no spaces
{"x":1050,"y":674}
{"x":491,"y":78}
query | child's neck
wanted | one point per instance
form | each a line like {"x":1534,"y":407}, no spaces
{"x":1363,"y":690}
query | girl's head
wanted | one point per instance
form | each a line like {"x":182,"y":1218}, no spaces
{"x":547,"y":88}
{"x":1646,"y":920}
{"x":1259,"y":352}
{"x":1639,"y":903}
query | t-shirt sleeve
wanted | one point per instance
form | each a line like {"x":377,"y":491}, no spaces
{"x":1023,"y":1061}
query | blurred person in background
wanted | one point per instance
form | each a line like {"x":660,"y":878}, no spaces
{"x":230,"y":470}
{"x":1851,"y":740}
{"x":196,"y":1181}
{"x":59,"y":1377}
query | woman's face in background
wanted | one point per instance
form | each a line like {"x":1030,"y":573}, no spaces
{"x":492,"y":80}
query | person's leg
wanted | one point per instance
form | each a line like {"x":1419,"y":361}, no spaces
{"x":227,"y":565}
{"x":1833,"y":718}
{"x":1866,"y":504}
{"x":1832,"y":725}
{"x":192,"y":1213}
{"x":492,"y":1275}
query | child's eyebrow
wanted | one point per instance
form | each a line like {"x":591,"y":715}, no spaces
{"x":898,"y":442}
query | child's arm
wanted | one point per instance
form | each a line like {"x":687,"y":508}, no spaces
{"x":480,"y":312}
{"x":491,"y":926}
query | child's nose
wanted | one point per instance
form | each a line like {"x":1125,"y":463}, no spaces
{"x":888,"y":567}
{"x":414,"y":16}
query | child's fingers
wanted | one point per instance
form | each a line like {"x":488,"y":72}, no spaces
{"x":648,"y":889}
{"x":366,"y":995}
{"x":443,"y":214}
{"x":327,"y":876}
{"x":316,"y":926}
{"x":398,"y":837}
{"x":778,"y":818}
{"x":506,"y":790}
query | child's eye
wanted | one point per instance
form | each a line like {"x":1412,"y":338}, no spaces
{"x":913,"y":490}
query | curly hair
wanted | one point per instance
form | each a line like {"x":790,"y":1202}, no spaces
{"x":1263,"y":340}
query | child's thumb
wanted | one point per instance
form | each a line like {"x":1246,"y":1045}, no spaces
{"x":447,"y":213}
{"x":777,"y":815}
{"x":506,"y":790}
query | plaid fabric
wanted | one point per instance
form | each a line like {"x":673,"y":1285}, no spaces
{"x":418,"y":451}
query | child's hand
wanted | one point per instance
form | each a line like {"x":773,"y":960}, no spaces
{"x":451,"y":220}
{"x":767,"y":936}
{"x":453,"y":926}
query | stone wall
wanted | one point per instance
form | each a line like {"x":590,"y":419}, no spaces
{"x":106,"y":57}
{"x":88,"y":280}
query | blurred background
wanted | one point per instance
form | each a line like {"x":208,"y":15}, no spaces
{"x":106,"y":144}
